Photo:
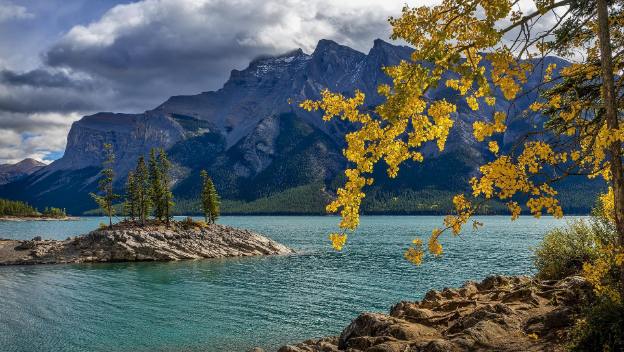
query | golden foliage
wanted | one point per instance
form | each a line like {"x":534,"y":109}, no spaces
{"x":598,"y":271}
{"x":338,"y":240}
{"x":459,"y":37}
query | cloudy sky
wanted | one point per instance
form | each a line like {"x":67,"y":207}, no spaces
{"x":63,"y":59}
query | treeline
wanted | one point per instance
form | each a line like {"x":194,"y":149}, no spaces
{"x":52,"y":212}
{"x":148,"y":190}
{"x":307,"y":199}
{"x":312,"y":199}
{"x":418,"y":202}
{"x":18,"y":208}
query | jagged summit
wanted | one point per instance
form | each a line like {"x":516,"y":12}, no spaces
{"x":29,"y":163}
{"x":325,"y":45}
{"x":281,"y":57}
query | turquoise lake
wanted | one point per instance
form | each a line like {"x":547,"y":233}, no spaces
{"x":236,"y":304}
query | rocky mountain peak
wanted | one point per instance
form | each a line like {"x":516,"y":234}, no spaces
{"x":12,"y":172}
{"x":326,"y":47}
{"x":250,"y":135}
{"x":29,"y":163}
{"x":383,"y":51}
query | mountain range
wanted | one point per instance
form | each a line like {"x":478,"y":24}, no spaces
{"x":12,"y":172}
{"x":267,"y":155}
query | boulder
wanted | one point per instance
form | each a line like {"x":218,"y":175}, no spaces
{"x":500,"y":313}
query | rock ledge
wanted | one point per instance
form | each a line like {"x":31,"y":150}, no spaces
{"x":149,"y":243}
{"x":501,"y":313}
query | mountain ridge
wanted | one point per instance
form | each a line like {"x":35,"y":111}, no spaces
{"x":253,"y":138}
{"x":12,"y":172}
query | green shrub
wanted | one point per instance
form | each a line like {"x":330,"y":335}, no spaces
{"x":564,"y":250}
{"x":601,"y":329}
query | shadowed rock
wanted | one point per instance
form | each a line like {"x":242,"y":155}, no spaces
{"x":500,"y":313}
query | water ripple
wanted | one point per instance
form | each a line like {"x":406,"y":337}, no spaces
{"x":235,"y":304}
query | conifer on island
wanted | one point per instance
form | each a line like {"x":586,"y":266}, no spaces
{"x":164,"y":166}
{"x":142,"y":183}
{"x":209,"y":199}
{"x":156,"y":189}
{"x":131,"y":203}
{"x":105,"y":186}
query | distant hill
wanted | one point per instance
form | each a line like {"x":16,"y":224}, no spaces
{"x":261,"y":148}
{"x":12,"y":172}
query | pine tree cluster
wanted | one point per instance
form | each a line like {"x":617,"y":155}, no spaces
{"x":148,"y":190}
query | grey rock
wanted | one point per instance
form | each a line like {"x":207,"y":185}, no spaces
{"x":503,"y":314}
{"x":150,"y":243}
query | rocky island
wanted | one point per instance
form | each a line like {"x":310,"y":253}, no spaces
{"x":126,"y":242}
{"x":501,"y":313}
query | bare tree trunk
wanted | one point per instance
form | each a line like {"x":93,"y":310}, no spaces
{"x":608,"y":93}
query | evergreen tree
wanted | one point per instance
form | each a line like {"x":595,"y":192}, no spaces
{"x":105,"y":185}
{"x":156,"y":190}
{"x":53,"y":212}
{"x":167,"y":196}
{"x":130,"y":205}
{"x":16,"y":208}
{"x":215,"y":203}
{"x":142,"y":193}
{"x":209,"y":199}
{"x":205,"y":195}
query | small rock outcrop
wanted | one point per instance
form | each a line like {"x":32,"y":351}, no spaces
{"x":500,"y":313}
{"x":149,"y":243}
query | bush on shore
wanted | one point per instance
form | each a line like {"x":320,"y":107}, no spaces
{"x":601,"y":328}
{"x":589,"y":248}
{"x":563,"y":251}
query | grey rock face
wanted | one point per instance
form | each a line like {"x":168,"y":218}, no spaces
{"x":130,"y":135}
{"x":243,"y":110}
{"x":150,"y":243}
{"x":268,"y":86}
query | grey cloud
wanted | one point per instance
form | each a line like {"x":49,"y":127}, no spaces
{"x":30,"y":100}
{"x":10,"y":11}
{"x":137,"y":55}
{"x":44,"y":78}
{"x":33,"y":135}
{"x":154,"y":49}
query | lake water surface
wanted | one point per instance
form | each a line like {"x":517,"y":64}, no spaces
{"x":236,"y":304}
